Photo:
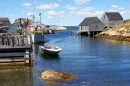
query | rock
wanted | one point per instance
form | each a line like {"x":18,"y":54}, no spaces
{"x":53,"y":75}
{"x":114,"y":33}
{"x":50,"y":75}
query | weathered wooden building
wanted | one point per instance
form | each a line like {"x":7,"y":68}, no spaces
{"x":4,"y":24}
{"x":91,"y":26}
{"x":111,"y":18}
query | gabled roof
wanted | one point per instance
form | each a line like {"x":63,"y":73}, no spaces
{"x":113,"y":15}
{"x":4,"y":19}
{"x":89,"y":21}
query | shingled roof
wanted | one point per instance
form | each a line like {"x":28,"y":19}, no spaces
{"x":113,"y":15}
{"x":89,"y":21}
{"x":4,"y":19}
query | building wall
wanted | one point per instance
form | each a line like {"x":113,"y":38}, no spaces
{"x":114,"y":22}
{"x":84,"y":28}
{"x":109,"y":23}
{"x":97,"y":27}
{"x":105,"y":20}
{"x":4,"y":24}
{"x":92,"y":27}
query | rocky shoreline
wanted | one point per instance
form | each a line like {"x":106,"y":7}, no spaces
{"x":120,"y":32}
{"x":116,"y":37}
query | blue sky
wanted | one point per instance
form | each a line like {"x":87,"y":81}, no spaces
{"x":62,"y":12}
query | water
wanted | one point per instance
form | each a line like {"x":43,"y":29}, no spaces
{"x":95,"y":62}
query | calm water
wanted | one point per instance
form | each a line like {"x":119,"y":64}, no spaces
{"x":95,"y":62}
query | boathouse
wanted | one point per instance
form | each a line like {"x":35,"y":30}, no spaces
{"x":111,"y":18}
{"x":90,"y":26}
{"x":4,"y":24}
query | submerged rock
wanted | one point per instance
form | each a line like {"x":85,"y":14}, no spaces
{"x":55,"y":76}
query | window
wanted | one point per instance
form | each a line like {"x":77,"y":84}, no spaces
{"x":97,"y":26}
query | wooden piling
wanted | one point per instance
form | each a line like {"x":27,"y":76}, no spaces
{"x":27,"y":58}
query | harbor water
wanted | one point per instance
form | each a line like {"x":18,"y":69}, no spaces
{"x":94,"y":61}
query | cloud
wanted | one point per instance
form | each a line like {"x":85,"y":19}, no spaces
{"x":71,"y":7}
{"x":52,"y":14}
{"x":29,"y":7}
{"x":87,"y":9}
{"x":31,"y":13}
{"x":48,"y":6}
{"x":86,"y":12}
{"x":114,"y":6}
{"x":83,"y":10}
{"x":26,"y":4}
{"x":50,"y":17}
{"x":80,"y":2}
{"x":62,"y":16}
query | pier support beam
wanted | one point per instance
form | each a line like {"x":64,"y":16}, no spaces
{"x":27,"y":58}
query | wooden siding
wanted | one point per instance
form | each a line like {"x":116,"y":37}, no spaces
{"x":91,"y":24}
{"x":110,"y":22}
{"x":84,"y":28}
{"x":105,"y":20}
{"x":92,"y":27}
{"x":96,"y":27}
{"x":113,"y":23}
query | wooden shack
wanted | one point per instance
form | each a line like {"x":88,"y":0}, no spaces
{"x":91,"y":26}
{"x":111,"y":18}
{"x":4,"y":24}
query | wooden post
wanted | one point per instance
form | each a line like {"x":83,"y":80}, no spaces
{"x":93,"y":33}
{"x":27,"y":58}
{"x":88,"y":34}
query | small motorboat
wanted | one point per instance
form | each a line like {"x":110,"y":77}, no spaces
{"x":51,"y":50}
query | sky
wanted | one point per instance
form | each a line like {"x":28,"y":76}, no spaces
{"x":62,"y":12}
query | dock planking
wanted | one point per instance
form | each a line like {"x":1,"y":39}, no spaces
{"x":15,"y":51}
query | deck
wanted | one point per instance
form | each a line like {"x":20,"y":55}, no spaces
{"x":14,"y":50}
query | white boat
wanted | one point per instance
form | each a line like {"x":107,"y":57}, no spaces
{"x":51,"y":50}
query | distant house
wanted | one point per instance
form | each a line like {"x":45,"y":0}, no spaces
{"x":111,"y":18}
{"x":4,"y":24}
{"x":91,"y":26}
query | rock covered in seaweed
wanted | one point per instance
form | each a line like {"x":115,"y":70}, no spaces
{"x":53,"y":75}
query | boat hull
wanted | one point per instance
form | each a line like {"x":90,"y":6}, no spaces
{"x":37,"y":38}
{"x":49,"y":52}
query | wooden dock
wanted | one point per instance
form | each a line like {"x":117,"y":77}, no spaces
{"x":14,"y":50}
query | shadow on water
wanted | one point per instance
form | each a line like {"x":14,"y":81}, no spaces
{"x":50,"y":57}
